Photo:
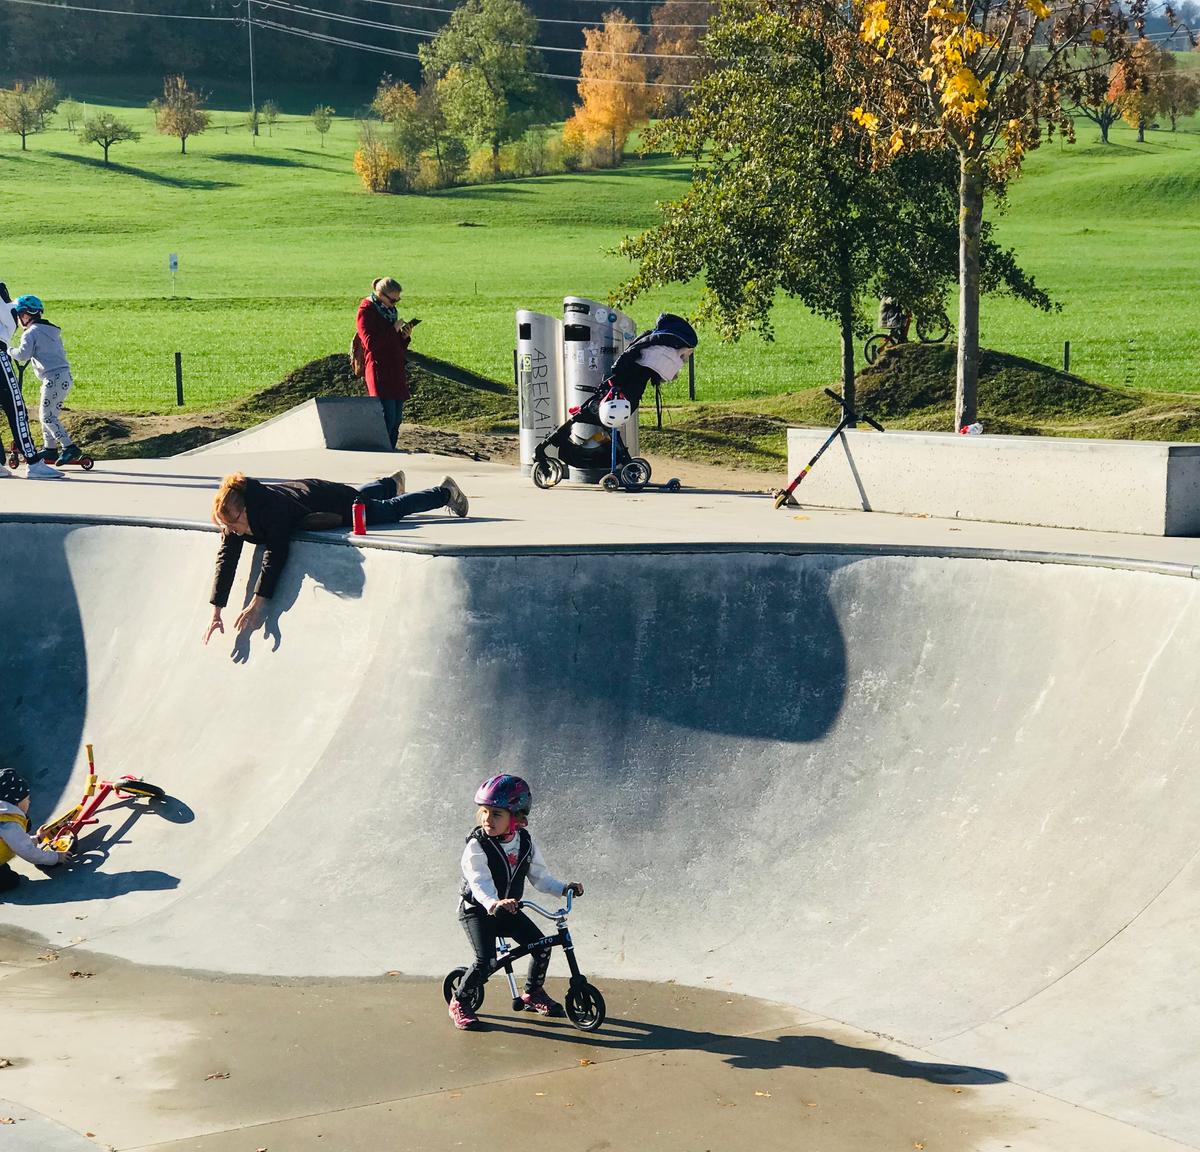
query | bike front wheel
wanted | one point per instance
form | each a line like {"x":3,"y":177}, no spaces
{"x":140,"y":788}
{"x":933,"y":329}
{"x":585,"y":1008}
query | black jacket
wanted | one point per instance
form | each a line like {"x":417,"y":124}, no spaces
{"x":509,"y":881}
{"x":275,"y":511}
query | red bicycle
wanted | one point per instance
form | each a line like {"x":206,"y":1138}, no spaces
{"x":61,"y":833}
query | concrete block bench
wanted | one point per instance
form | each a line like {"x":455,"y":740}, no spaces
{"x":1148,"y":487}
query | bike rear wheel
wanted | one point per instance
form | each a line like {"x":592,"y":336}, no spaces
{"x":450,"y":985}
{"x":875,"y":345}
{"x":141,"y":788}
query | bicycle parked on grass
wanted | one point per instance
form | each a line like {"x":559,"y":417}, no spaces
{"x":584,"y":1004}
{"x":930,"y":330}
{"x":62,"y":832}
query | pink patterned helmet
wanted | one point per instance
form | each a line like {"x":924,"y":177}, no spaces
{"x":505,"y":791}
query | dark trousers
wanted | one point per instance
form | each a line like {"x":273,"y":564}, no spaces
{"x":393,"y":414}
{"x":482,"y":930}
{"x":13,"y":404}
{"x":385,"y":507}
{"x":8,"y":878}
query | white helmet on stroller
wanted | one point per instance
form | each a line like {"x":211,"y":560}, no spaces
{"x":615,"y":409}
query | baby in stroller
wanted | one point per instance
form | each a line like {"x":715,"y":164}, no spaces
{"x":581,"y":442}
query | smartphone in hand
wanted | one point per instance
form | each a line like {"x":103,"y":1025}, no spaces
{"x":414,"y":321}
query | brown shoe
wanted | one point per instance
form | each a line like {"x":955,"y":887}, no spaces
{"x":458,"y":502}
{"x":398,"y":476}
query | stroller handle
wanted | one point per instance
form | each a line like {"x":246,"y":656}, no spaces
{"x":546,"y":912}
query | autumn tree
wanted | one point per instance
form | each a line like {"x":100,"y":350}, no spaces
{"x":19,"y":111}
{"x":1137,"y":86}
{"x":675,"y":38}
{"x":483,"y":62}
{"x":784,"y":197}
{"x":106,"y":130}
{"x":46,"y":98}
{"x":270,"y":115}
{"x":612,"y":86}
{"x":322,"y":120}
{"x":1092,"y":99}
{"x":179,"y":111}
{"x":1181,"y":93}
{"x":71,"y":110}
{"x":991,"y":80}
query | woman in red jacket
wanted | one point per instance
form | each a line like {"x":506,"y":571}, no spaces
{"x":385,"y":338}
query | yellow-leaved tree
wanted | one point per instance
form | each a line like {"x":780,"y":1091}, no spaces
{"x":990,"y":79}
{"x":613,"y":87}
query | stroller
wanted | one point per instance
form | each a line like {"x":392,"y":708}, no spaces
{"x":586,"y":440}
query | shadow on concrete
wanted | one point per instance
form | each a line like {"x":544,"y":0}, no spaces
{"x":337,"y":570}
{"x":750,"y":1052}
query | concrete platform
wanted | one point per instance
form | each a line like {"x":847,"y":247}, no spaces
{"x":924,"y":789}
{"x":1101,"y":485}
{"x":349,"y":423}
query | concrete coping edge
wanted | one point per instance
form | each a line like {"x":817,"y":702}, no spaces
{"x":699,"y":547}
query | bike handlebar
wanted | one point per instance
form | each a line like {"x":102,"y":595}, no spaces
{"x":545,"y":912}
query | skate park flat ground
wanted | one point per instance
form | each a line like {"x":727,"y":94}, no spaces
{"x":886,"y":823}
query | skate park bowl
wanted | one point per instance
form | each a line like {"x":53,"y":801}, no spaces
{"x":944,"y":799}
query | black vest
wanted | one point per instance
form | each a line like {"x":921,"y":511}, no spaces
{"x":509,"y":881}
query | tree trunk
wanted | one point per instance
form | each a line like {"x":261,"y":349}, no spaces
{"x":22,"y":141}
{"x":970,"y":220}
{"x":105,"y":153}
{"x":1141,"y":131}
{"x":846,"y":323}
{"x":1103,"y":131}
{"x":183,"y":145}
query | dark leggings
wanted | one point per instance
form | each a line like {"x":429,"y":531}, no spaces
{"x":482,"y":930}
{"x":13,"y":404}
{"x":385,"y":507}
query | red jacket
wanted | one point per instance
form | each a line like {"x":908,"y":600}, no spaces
{"x":387,"y":367}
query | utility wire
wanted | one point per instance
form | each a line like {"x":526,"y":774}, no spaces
{"x":118,"y":12}
{"x":362,"y":22}
{"x":539,"y":19}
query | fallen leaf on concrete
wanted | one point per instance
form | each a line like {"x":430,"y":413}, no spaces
{"x":539,"y":1093}
{"x":393,"y":972}
{"x":584,"y":1063}
{"x":766,"y":1094}
{"x":7,"y":1120}
{"x":919,"y":1146}
{"x":807,"y":1105}
{"x":90,"y":1135}
{"x":217,"y":1076}
{"x":51,"y":955}
{"x":801,"y":517}
{"x":77,"y":975}
{"x":6,"y":1063}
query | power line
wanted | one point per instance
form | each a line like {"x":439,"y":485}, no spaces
{"x":361,"y":22}
{"x":118,"y":12}
{"x":539,"y":19}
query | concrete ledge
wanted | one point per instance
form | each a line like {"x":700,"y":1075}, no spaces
{"x":1148,"y":487}
{"x":348,"y":423}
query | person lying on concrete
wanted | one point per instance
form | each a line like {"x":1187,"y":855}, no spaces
{"x":15,"y":838}
{"x":499,"y":857}
{"x":655,"y":357}
{"x":268,"y":515}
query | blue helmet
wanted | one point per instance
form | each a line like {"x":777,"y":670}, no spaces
{"x":679,"y":332}
{"x":28,"y":304}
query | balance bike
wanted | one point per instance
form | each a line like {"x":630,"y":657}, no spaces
{"x":584,"y":1004}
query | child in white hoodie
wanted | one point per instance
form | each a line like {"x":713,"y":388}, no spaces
{"x":15,"y":839}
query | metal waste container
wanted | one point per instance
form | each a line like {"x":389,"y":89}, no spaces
{"x":539,"y":380}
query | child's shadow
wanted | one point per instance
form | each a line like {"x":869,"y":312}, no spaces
{"x":810,"y":1051}
{"x":338,"y":570}
{"x":82,"y":879}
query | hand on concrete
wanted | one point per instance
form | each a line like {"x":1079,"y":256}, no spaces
{"x":214,"y":625}
{"x":252,"y":615}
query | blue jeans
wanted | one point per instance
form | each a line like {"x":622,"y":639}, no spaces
{"x":393,"y":413}
{"x":385,"y":507}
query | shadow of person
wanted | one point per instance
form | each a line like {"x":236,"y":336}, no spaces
{"x":757,"y":1052}
{"x":338,"y":569}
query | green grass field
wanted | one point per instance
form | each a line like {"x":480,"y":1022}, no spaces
{"x":277,"y":242}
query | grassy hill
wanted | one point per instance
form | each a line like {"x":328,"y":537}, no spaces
{"x":277,"y":242}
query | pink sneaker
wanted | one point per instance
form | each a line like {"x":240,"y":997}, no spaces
{"x":464,"y":1019}
{"x":540,"y":1003}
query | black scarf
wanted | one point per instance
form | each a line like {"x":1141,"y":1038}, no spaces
{"x":390,"y":314}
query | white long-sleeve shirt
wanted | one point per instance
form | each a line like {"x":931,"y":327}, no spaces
{"x":20,"y":841}
{"x":478,"y":875}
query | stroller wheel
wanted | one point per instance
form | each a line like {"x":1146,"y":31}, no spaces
{"x":673,"y":485}
{"x":547,"y":473}
{"x":610,"y":483}
{"x":636,"y":474}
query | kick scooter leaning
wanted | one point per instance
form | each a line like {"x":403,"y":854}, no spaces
{"x":849,"y":416}
{"x":584,"y":1004}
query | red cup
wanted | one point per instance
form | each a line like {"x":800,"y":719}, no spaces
{"x":360,"y":518}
